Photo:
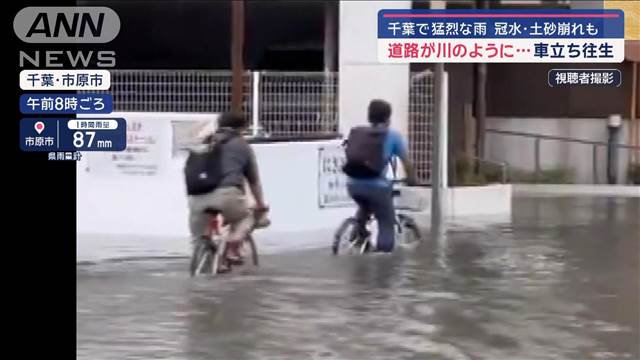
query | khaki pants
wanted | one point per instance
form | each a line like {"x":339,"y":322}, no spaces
{"x":231,"y":202}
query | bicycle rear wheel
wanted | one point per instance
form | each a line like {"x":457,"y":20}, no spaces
{"x":249,"y":250}
{"x":409,"y":234}
{"x":346,"y":239}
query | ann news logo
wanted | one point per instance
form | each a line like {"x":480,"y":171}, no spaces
{"x":64,"y":25}
{"x":67,"y":25}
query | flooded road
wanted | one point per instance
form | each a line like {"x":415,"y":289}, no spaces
{"x":560,"y":281}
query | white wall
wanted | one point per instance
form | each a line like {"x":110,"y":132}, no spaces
{"x":141,"y":207}
{"x":554,"y":190}
{"x":362,"y":78}
{"x":132,"y":215}
{"x":156,"y":205}
{"x":461,"y":201}
{"x":519,"y":151}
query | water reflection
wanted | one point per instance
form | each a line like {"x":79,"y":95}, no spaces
{"x":559,"y":281}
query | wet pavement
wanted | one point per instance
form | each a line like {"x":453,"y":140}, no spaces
{"x":560,"y":281}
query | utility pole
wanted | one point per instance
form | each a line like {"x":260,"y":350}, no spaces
{"x":480,"y":95}
{"x":237,"y":52}
{"x":329,"y":98}
{"x":439,"y":165}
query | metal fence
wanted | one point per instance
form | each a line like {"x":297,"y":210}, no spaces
{"x":606,"y":150}
{"x":284,"y":105}
{"x":421,"y":116}
{"x":278,"y":104}
{"x":197,"y":91}
{"x":298,"y":103}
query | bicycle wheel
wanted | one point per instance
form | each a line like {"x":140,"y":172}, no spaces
{"x":346,"y":240}
{"x":218,"y":258}
{"x":200,"y":257}
{"x":409,"y":234}
{"x":249,"y":249}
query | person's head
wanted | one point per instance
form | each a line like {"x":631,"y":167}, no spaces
{"x":232,"y":121}
{"x":379,"y":112}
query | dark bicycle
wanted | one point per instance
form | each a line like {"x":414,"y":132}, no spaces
{"x":349,"y":239}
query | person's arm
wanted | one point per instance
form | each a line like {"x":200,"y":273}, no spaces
{"x":403,"y":153}
{"x":253,"y":178}
{"x":408,"y":168}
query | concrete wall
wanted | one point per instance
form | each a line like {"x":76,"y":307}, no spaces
{"x":135,"y":215}
{"x":519,"y":151}
{"x":156,"y":205}
{"x":362,"y":78}
{"x":554,"y":190}
{"x":462,"y":201}
{"x":141,"y":211}
{"x":143,"y":208}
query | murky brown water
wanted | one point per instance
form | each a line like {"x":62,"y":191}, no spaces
{"x":560,"y":281}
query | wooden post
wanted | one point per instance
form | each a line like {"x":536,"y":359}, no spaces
{"x":634,"y":126}
{"x":237,"y":52}
{"x":481,"y":97}
{"x":330,"y":21}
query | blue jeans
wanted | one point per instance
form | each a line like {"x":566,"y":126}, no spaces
{"x":376,"y":200}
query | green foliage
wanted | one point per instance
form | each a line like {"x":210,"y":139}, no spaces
{"x":469,"y":172}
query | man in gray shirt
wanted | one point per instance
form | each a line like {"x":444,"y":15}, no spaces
{"x":238,"y":162}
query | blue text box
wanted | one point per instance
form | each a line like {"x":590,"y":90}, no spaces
{"x":89,"y":103}
{"x":604,"y":24}
{"x":44,"y":134}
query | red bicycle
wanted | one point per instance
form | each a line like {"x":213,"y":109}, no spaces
{"x":214,"y":254}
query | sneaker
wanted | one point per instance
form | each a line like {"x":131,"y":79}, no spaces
{"x":233,"y":255}
{"x":262,"y":222}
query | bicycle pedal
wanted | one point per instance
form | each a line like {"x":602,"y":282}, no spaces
{"x":235,"y":261}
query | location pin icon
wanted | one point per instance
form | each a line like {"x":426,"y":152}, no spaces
{"x":39,"y":126}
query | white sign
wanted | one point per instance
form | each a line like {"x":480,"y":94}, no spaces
{"x":332,"y":182}
{"x":143,"y":155}
{"x":187,"y":133}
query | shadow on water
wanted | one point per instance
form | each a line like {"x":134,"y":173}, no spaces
{"x":560,"y":281}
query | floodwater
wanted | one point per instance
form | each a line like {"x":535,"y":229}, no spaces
{"x":559,"y":281}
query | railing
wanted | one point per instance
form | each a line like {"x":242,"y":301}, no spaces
{"x":539,"y":137}
{"x":191,"y":91}
{"x":292,"y":104}
{"x":280,"y":104}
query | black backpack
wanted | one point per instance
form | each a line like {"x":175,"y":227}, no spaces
{"x":203,"y":170}
{"x":365,"y":152}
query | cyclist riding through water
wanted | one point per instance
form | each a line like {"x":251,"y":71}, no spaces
{"x":369,"y":151}
{"x":215,"y":178}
